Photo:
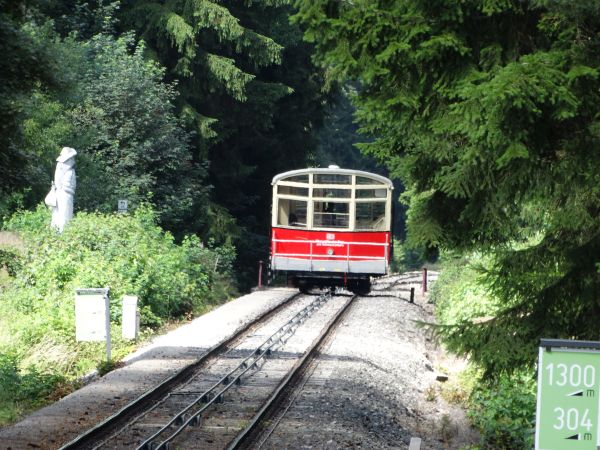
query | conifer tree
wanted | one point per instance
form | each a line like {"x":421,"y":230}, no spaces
{"x":490,"y":112}
{"x":249,"y":90}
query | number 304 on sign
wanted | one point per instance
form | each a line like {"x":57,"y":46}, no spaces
{"x":568,"y":396}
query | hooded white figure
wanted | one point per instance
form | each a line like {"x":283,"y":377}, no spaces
{"x":63,"y":188}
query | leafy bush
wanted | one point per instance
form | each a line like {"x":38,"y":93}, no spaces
{"x":504,"y":411}
{"x":22,"y":389}
{"x":112,"y":105}
{"x":459,"y":294}
{"x":10,"y":260}
{"x":406,"y":258}
{"x":501,"y":405}
{"x":129,"y":254}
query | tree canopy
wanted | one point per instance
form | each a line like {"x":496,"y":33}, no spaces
{"x":249,"y":91}
{"x":489,"y":112}
{"x":191,"y":106}
{"x":23,"y":65}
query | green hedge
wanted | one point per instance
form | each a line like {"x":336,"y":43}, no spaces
{"x":129,"y":254}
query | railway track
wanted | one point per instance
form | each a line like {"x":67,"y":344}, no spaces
{"x":223,"y":399}
{"x":258,"y":431}
{"x":396,"y":282}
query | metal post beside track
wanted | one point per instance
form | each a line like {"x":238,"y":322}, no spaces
{"x":424,"y":284}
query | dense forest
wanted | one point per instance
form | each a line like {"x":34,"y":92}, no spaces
{"x":487,"y":112}
{"x":191,"y":106}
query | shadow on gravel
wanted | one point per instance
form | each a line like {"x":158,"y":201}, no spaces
{"x":342,"y":414}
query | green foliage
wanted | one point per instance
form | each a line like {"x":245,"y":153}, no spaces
{"x":136,"y":144}
{"x":22,"y":390}
{"x":458,"y":294}
{"x":24,"y":64}
{"x":488,"y":112}
{"x":10,"y":260}
{"x":472,"y":319}
{"x":405,"y":258}
{"x":236,"y":74}
{"x":129,"y":254}
{"x":249,"y":89}
{"x":119,"y":115}
{"x":501,"y":403}
{"x":504,"y":411}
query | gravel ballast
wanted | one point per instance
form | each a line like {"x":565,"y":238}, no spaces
{"x":370,"y":388}
{"x":55,"y":425}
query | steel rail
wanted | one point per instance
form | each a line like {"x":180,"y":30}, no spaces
{"x":247,"y":436}
{"x":183,"y":419}
{"x":89,"y":437}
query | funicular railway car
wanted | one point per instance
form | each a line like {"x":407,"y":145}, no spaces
{"x":331,"y":227}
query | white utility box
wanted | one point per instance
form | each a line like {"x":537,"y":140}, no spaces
{"x":92,"y":316}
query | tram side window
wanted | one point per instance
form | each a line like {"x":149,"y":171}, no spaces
{"x":370,"y":216}
{"x":331,"y":215}
{"x":292,"y":213}
{"x":371,"y":193}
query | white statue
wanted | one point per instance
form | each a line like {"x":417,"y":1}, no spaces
{"x":60,"y":197}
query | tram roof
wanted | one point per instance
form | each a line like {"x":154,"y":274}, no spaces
{"x":361,"y":173}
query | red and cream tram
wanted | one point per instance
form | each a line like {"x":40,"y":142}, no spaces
{"x":331,"y":227}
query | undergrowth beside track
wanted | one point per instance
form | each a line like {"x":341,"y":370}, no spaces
{"x":502,"y":406}
{"x":39,"y":358}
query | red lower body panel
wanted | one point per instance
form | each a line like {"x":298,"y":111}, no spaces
{"x":330,"y":251}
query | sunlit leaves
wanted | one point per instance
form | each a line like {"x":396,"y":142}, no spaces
{"x":488,"y":111}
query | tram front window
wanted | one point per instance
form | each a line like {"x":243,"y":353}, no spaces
{"x":292,"y":213}
{"x":331,"y":215}
{"x":370,"y":216}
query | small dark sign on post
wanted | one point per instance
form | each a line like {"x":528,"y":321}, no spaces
{"x":122,"y":206}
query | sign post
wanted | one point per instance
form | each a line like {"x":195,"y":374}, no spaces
{"x":122,"y":206}
{"x":568,"y":395}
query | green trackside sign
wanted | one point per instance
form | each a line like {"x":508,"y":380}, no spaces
{"x":568,"y":395}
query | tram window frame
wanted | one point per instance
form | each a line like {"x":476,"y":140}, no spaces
{"x":336,"y":218}
{"x":338,"y":179}
{"x":364,"y":181}
{"x":287,"y":212}
{"x":300,"y":179}
{"x":363,"y":194}
{"x":314,"y":189}
{"x":322,"y":192}
{"x":298,"y":191}
{"x":379,"y":223}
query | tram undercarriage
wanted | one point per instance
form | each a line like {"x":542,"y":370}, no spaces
{"x":357,"y":283}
